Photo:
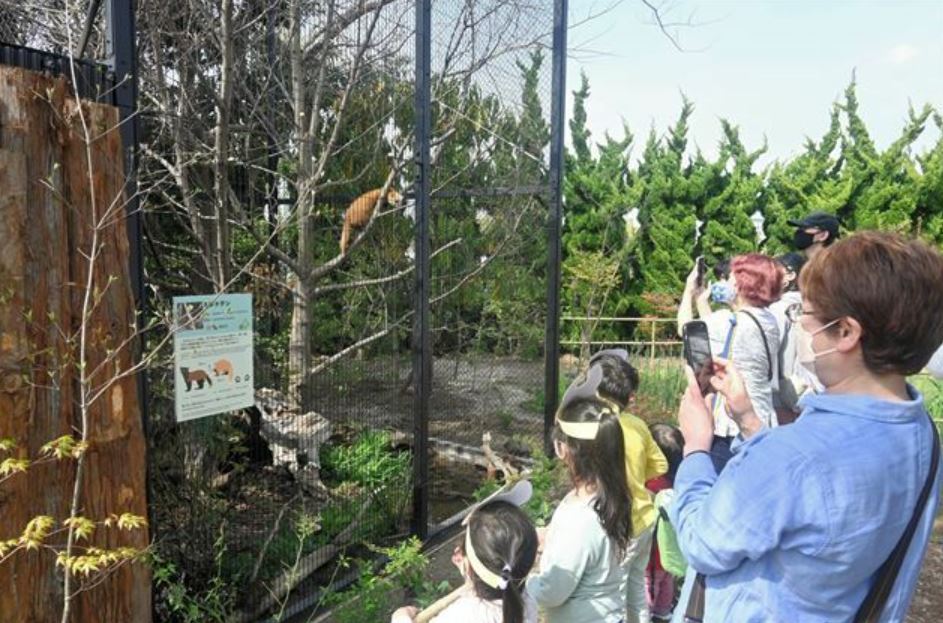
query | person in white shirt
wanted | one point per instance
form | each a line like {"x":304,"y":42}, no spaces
{"x":495,"y":556}
{"x":747,"y":333}
{"x":793,"y":379}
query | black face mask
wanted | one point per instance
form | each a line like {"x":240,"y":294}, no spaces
{"x":802,"y":240}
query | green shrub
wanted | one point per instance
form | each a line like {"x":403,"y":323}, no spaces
{"x":369,"y":462}
{"x":381,"y":477}
{"x":178,"y":602}
{"x":373,"y":596}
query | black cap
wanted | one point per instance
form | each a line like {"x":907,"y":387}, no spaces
{"x":819,"y":220}
{"x":793,"y":261}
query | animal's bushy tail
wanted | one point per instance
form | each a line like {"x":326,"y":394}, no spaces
{"x":345,"y":234}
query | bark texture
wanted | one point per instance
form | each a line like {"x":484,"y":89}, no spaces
{"x":45,"y":225}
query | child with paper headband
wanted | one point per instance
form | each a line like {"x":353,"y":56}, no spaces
{"x":495,"y":556}
{"x":582,"y":568}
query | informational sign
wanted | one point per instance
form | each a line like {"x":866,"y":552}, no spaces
{"x":212,"y":354}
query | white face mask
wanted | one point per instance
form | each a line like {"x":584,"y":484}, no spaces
{"x":935,"y":367}
{"x":805,"y":352}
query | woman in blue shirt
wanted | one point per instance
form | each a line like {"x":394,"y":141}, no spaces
{"x":797,"y":525}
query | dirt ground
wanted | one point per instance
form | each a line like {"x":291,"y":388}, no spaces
{"x":927,"y":606}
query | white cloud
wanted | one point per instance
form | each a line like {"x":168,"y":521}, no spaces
{"x":903,"y":53}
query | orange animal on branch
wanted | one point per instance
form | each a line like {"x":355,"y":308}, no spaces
{"x":361,"y":209}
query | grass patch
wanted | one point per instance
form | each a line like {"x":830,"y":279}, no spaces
{"x":661,"y":382}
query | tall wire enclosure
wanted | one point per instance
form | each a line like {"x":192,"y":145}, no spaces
{"x":258,"y":126}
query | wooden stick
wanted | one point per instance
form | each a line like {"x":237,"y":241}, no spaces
{"x":438,"y":606}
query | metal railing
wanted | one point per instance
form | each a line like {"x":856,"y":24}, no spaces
{"x":650,"y":324}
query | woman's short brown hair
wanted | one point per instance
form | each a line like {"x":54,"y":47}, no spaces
{"x":892,"y":286}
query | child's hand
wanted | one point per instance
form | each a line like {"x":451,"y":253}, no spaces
{"x":406,"y":614}
{"x":458,"y":559}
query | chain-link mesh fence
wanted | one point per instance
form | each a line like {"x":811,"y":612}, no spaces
{"x":490,"y":189}
{"x":54,"y":26}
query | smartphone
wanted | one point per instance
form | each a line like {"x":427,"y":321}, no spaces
{"x":701,"y":270}
{"x":697,"y":352}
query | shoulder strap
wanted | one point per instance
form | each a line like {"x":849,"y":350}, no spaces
{"x":654,"y":547}
{"x":873,"y":606}
{"x":694,"y":612}
{"x":769,"y":357}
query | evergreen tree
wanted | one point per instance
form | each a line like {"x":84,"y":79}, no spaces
{"x":810,"y":182}
{"x":731,"y":199}
{"x":929,"y":212}
{"x":668,"y":218}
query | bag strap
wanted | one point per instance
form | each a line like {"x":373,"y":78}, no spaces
{"x":654,"y":547}
{"x":694,"y":613}
{"x":769,"y":357}
{"x":726,"y":353}
{"x":873,"y":605}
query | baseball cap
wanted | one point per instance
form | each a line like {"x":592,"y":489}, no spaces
{"x":819,"y":220}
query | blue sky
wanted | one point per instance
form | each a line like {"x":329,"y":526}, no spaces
{"x":772,"y":67}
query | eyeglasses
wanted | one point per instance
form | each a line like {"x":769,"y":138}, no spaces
{"x":794,"y":312}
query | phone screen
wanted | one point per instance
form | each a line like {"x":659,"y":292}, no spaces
{"x":697,"y":352}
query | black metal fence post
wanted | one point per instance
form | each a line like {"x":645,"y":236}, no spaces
{"x":422,"y":356}
{"x":122,"y":61}
{"x":555,"y":219}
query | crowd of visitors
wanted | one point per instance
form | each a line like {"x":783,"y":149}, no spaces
{"x":802,"y":486}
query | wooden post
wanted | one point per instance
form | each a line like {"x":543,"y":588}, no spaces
{"x":46,"y":225}
{"x":653,"y":340}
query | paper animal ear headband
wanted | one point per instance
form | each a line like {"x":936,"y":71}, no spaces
{"x":516,"y":495}
{"x":621,"y":353}
{"x":587,"y":390}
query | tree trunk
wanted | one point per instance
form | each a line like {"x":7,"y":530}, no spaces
{"x":222,"y":260}
{"x":299,"y":346}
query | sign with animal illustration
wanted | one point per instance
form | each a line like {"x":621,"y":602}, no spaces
{"x":212,"y":354}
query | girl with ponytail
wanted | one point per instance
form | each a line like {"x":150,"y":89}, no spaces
{"x":582,"y":568}
{"x":496,"y":554}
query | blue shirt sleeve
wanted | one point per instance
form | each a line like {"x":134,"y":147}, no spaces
{"x":749,"y":509}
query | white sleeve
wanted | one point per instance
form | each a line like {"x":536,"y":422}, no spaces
{"x":463,"y":610}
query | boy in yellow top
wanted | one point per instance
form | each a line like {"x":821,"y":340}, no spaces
{"x":643,"y":461}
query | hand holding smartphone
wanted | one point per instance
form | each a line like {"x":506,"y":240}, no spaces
{"x":697,"y":353}
{"x":701,"y":266}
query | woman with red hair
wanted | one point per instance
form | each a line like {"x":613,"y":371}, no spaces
{"x":746,"y":333}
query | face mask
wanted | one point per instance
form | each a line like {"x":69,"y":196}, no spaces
{"x":935,"y":367}
{"x":802,"y":240}
{"x":805,"y":352}
{"x":722,"y":292}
